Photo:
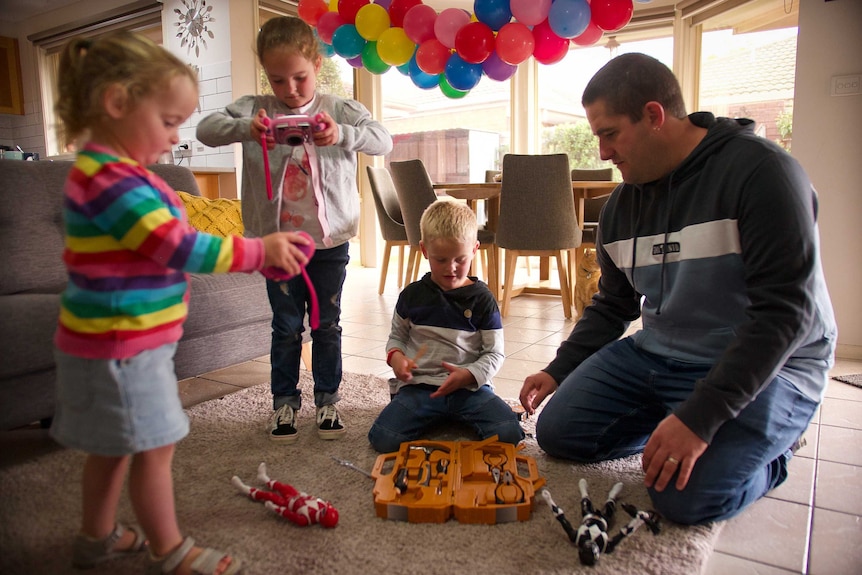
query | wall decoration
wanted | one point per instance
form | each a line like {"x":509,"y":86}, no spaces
{"x":453,"y":49}
{"x":192,"y":24}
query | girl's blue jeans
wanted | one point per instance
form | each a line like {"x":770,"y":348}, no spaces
{"x":608,"y":407}
{"x":290,"y":302}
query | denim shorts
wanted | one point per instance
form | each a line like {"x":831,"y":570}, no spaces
{"x":119,"y":407}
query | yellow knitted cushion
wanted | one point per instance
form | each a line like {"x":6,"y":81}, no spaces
{"x":219,"y":217}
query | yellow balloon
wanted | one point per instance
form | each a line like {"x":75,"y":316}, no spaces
{"x":371,"y":21}
{"x":333,"y":5}
{"x":394,"y":47}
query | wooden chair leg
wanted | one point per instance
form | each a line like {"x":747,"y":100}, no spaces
{"x":411,"y":258}
{"x":509,"y":284}
{"x":400,"y":267}
{"x":565,"y":290}
{"x":387,"y":250}
{"x":305,"y":355}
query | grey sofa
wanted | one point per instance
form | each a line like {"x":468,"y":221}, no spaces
{"x":229,"y":315}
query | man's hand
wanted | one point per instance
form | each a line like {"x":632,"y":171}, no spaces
{"x":672,"y":447}
{"x":535,"y":389}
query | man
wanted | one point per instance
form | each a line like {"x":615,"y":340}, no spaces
{"x":712,"y":239}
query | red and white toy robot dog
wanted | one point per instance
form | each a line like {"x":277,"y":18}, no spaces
{"x":298,"y":507}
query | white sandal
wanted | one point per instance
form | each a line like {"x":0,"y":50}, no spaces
{"x":204,"y":564}
{"x":87,"y":552}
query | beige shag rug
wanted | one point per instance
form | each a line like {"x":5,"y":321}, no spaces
{"x":40,"y":505}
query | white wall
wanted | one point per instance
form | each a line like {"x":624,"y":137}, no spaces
{"x":827,"y":140}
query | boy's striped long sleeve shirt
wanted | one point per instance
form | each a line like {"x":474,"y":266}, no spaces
{"x":128,"y":250}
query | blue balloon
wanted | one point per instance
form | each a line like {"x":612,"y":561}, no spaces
{"x":462,"y":75}
{"x":347,"y":42}
{"x":493,"y":13}
{"x":421,"y":79}
{"x":326,"y":50}
{"x":404,"y":68}
{"x":569,"y":18}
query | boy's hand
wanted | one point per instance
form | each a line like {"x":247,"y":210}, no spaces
{"x":282,"y":251}
{"x":402,"y":366}
{"x":459,"y":377}
{"x":328,"y":136}
{"x":259,"y":128}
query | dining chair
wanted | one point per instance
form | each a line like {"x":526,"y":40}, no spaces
{"x":415,"y":193}
{"x":592,"y":207}
{"x":537,"y":218}
{"x":390,"y":220}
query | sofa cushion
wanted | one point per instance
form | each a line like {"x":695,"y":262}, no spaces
{"x":27,"y":337}
{"x":31,"y":227}
{"x":219,"y":217}
{"x":219,"y":302}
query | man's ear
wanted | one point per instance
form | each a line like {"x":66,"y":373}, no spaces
{"x":115,"y":101}
{"x":654,"y":113}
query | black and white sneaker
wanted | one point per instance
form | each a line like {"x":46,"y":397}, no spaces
{"x":329,"y":424}
{"x":282,"y":425}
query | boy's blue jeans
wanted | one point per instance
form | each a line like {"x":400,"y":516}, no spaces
{"x":608,"y":407}
{"x":411,"y":412}
{"x":327,"y":270}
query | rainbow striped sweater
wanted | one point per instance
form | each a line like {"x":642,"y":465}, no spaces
{"x":128,"y":249}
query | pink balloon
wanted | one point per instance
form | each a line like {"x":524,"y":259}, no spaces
{"x":419,"y":23}
{"x":327,"y":24}
{"x":530,"y":12}
{"x":431,"y":56}
{"x":611,"y":15}
{"x":515,"y":43}
{"x":550,"y":48}
{"x":448,"y":22}
{"x":589,"y":36}
{"x":474,"y":42}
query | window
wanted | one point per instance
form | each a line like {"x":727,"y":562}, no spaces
{"x":456,"y":138}
{"x":143,"y":17}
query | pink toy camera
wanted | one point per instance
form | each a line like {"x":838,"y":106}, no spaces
{"x":294,"y":130}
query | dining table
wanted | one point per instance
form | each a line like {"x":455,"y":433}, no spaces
{"x":489,"y":192}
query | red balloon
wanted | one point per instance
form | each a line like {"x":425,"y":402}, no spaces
{"x":550,"y":48}
{"x":419,"y":23}
{"x":611,"y":15}
{"x":327,"y":24}
{"x":397,"y":10}
{"x":349,"y":8}
{"x":474,"y":42}
{"x":311,"y":10}
{"x":431,"y":56}
{"x":590,"y":36}
{"x":515,"y":43}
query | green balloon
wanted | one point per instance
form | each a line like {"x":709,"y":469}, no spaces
{"x":371,"y":59}
{"x":449,"y":91}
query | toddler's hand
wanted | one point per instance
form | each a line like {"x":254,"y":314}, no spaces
{"x":459,"y":377}
{"x":259,"y":127}
{"x":328,"y":136}
{"x":283,"y":251}
{"x":402,"y":366}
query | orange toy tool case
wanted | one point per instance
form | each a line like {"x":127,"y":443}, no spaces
{"x":476,"y":481}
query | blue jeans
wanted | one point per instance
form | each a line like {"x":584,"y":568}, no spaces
{"x":608,"y":407}
{"x":290,"y":302}
{"x":412,"y":411}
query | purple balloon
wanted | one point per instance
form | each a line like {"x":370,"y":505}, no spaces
{"x":384,"y":3}
{"x":355,"y":62}
{"x":496,"y":69}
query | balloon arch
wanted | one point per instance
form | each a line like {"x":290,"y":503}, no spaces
{"x":453,"y":49}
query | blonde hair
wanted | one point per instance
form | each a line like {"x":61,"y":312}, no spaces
{"x":89,"y":66}
{"x":288,"y":32}
{"x":448,"y":220}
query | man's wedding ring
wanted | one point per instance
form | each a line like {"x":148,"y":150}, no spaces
{"x":672,"y":460}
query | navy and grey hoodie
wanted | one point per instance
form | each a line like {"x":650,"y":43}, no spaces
{"x":721,"y":259}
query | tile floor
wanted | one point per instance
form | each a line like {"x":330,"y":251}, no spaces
{"x":810,"y":525}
